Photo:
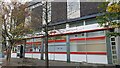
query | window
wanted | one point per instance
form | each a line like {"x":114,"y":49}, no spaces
{"x":113,"y":47}
{"x":50,"y":38}
{"x":96,"y":33}
{"x":73,"y":9}
{"x":90,"y":21}
{"x":114,"y":57}
{"x":112,"y":30}
{"x":100,"y":41}
{"x":81,"y":35}
{"x":37,"y":39}
{"x":114,"y":52}
{"x":57,"y":38}
{"x":62,"y":26}
{"x":76,"y":23}
{"x":113,"y":43}
{"x":114,"y":61}
{"x":91,"y":47}
{"x":112,"y":39}
{"x":76,"y":35}
{"x":51,"y":28}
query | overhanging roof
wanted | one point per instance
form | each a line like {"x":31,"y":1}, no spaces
{"x":75,"y":19}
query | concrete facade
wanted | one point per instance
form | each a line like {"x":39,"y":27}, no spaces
{"x":36,"y":17}
{"x":58,"y":11}
{"x":0,"y":39}
{"x":89,"y":8}
{"x":118,"y":46}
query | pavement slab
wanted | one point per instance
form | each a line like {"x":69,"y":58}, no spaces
{"x":37,"y":63}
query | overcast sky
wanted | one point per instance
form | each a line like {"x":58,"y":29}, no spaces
{"x":15,"y":0}
{"x":59,"y":0}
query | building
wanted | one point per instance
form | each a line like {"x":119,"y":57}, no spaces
{"x":88,"y":41}
{"x":0,"y":40}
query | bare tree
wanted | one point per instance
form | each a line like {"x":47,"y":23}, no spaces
{"x":13,"y":23}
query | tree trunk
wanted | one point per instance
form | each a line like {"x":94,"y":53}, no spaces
{"x":42,"y":49}
{"x":9,"y":48}
{"x":8,"y":54}
{"x":24,"y":48}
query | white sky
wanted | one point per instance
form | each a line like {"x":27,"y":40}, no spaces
{"x":15,"y":0}
{"x":56,"y":0}
{"x":60,"y":0}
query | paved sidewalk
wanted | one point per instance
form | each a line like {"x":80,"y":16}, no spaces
{"x":36,"y":63}
{"x":1,"y":61}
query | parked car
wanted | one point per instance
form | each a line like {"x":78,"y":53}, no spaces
{"x":1,"y":55}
